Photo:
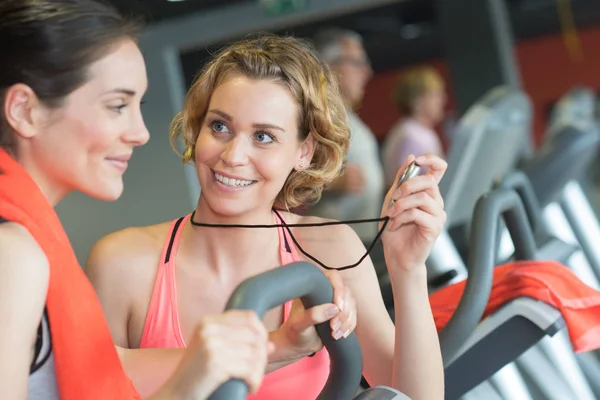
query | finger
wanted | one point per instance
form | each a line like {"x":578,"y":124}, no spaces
{"x":437,"y":166}
{"x":316,"y":315}
{"x":245,"y":364}
{"x":238,"y":333}
{"x":420,"y":200}
{"x":425,"y":183}
{"x":429,"y":225}
{"x":339,"y":295}
{"x":246,"y":320}
{"x":339,"y":290}
{"x":416,"y":184}
{"x":339,"y":324}
{"x":399,"y":173}
{"x":350,"y":320}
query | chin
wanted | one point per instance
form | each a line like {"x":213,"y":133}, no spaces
{"x":228,"y":208}
{"x":105,"y":191}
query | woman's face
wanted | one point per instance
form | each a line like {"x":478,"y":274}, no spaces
{"x":86,"y":143}
{"x":248,"y":145}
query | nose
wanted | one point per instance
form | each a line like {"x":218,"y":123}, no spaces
{"x":235,"y":152}
{"x":138,"y":135}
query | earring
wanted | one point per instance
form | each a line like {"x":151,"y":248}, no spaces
{"x":301,"y":165}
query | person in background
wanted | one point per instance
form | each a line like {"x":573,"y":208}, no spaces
{"x":420,"y":96}
{"x":357,"y":193}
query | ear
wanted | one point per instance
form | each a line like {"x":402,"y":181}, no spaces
{"x":307,"y":150}
{"x":22,"y":110}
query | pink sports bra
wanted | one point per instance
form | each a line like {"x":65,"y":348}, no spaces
{"x":302,"y":380}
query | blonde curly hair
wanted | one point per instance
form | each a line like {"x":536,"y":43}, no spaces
{"x":292,"y":63}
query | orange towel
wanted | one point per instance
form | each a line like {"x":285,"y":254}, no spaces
{"x":86,"y":362}
{"x":547,"y":281}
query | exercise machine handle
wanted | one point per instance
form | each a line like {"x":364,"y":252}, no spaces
{"x":305,"y":281}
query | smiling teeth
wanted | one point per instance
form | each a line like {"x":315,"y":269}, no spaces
{"x":232,"y":182}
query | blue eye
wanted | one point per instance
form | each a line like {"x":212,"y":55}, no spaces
{"x":264,"y":137}
{"x":218,"y":126}
{"x":118,"y":108}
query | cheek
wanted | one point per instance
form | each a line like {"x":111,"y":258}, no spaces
{"x":95,"y":132}
{"x":276,"y":167}
{"x":84,"y":138}
{"x":206,"y":149}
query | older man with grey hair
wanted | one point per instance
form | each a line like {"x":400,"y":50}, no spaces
{"x":358,"y":192}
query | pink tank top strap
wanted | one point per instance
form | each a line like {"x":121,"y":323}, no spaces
{"x":287,"y":254}
{"x":162,"y":328}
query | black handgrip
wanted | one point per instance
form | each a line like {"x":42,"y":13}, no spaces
{"x":305,"y":281}
{"x":488,"y":210}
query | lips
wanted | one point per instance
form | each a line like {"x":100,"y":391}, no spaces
{"x":119,"y":162}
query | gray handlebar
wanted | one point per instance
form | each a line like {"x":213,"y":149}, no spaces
{"x":563,"y":158}
{"x":305,"y":281}
{"x":519,"y":182}
{"x":488,"y":210}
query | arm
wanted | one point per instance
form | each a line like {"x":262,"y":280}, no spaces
{"x":24,"y":278}
{"x":405,"y":355}
{"x":120,"y":276}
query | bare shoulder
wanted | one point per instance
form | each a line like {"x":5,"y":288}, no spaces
{"x":127,"y":254}
{"x":18,"y":247}
{"x":24,"y":277}
{"x":334,"y":245}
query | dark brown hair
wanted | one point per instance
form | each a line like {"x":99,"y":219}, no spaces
{"x":48,"y":45}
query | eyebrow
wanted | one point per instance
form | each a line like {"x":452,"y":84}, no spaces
{"x":124,"y":91}
{"x":257,"y":126}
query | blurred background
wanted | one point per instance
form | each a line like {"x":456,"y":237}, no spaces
{"x":544,"y":47}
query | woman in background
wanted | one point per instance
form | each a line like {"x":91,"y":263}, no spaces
{"x":420,"y":97}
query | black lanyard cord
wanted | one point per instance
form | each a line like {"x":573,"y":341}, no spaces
{"x":287,"y":227}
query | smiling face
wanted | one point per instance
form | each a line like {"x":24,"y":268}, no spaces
{"x":248,"y":145}
{"x":86,"y":143}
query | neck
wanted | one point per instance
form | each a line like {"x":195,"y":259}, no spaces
{"x":423,"y":120}
{"x":225,"y":248}
{"x":53,"y":191}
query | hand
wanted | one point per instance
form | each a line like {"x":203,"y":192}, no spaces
{"x":299,"y":330}
{"x":417,"y":217}
{"x":225,"y":346}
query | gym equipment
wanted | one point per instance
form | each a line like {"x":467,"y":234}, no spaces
{"x":485,"y":149}
{"x":490,"y":134}
{"x":305,"y":281}
{"x":581,"y":151}
{"x":520,"y":324}
{"x":570,"y":378}
{"x":555,"y":172}
{"x":578,"y":105}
